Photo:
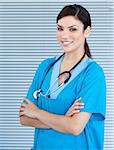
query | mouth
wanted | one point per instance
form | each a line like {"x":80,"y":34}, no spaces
{"x":66,"y":43}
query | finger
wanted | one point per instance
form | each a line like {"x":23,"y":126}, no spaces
{"x":27,"y":100}
{"x":23,"y":105}
{"x":75,"y":108}
{"x":21,"y":113}
{"x":78,"y":107}
{"x":75,"y":104}
{"x":22,"y":109}
{"x":78,"y":103}
{"x":78,"y":99}
{"x":73,"y":112}
{"x":81,"y":104}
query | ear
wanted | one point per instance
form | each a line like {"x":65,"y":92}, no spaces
{"x":87,"y":31}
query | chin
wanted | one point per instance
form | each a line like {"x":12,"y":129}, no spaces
{"x":66,"y":50}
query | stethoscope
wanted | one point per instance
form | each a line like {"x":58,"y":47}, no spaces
{"x":67,"y":74}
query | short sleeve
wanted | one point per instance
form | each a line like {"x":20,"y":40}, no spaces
{"x":93,"y":92}
{"x":38,"y":77}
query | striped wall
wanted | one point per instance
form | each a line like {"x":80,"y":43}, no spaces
{"x":27,"y":36}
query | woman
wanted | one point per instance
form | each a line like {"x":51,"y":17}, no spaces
{"x":51,"y":105}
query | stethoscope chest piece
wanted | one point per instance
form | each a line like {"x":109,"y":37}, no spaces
{"x":37,"y":93}
{"x":65,"y":75}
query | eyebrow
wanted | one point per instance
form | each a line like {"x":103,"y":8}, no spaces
{"x":69,"y":26}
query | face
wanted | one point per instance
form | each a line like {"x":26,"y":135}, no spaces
{"x":71,"y":34}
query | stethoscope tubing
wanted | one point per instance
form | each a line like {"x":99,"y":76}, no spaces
{"x":39,"y":92}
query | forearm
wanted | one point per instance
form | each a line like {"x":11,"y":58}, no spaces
{"x":73,"y":124}
{"x":60,"y":123}
{"x":24,"y":120}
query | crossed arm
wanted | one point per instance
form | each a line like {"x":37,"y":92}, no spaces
{"x":72,"y":122}
{"x":25,"y":120}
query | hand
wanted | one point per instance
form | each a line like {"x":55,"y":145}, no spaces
{"x":29,"y":109}
{"x":75,"y":108}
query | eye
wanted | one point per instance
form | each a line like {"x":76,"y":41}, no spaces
{"x":73,"y":29}
{"x":59,"y":29}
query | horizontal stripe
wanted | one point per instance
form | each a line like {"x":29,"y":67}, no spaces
{"x":27,"y":37}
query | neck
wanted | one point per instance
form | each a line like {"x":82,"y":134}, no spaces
{"x":73,"y":56}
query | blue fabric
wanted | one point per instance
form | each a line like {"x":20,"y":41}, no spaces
{"x":75,"y":72}
{"x":88,"y":84}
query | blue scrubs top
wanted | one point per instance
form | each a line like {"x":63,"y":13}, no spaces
{"x":89,"y":83}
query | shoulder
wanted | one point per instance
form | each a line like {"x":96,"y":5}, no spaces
{"x":45,"y":63}
{"x":93,"y":76}
{"x":94,"y":69}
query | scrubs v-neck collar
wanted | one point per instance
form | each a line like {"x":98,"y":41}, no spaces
{"x":56,"y":72}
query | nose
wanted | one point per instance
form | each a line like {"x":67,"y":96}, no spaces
{"x":64,"y":34}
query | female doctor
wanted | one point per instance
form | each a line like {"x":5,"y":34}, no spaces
{"x":51,"y":105}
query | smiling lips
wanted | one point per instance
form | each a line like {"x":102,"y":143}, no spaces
{"x":66,"y":43}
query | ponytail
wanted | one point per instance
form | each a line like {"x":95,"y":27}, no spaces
{"x":87,"y":50}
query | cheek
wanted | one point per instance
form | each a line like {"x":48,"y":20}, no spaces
{"x":78,"y":37}
{"x":57,"y":35}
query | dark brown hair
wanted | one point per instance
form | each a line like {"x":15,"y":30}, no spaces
{"x":82,"y":14}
